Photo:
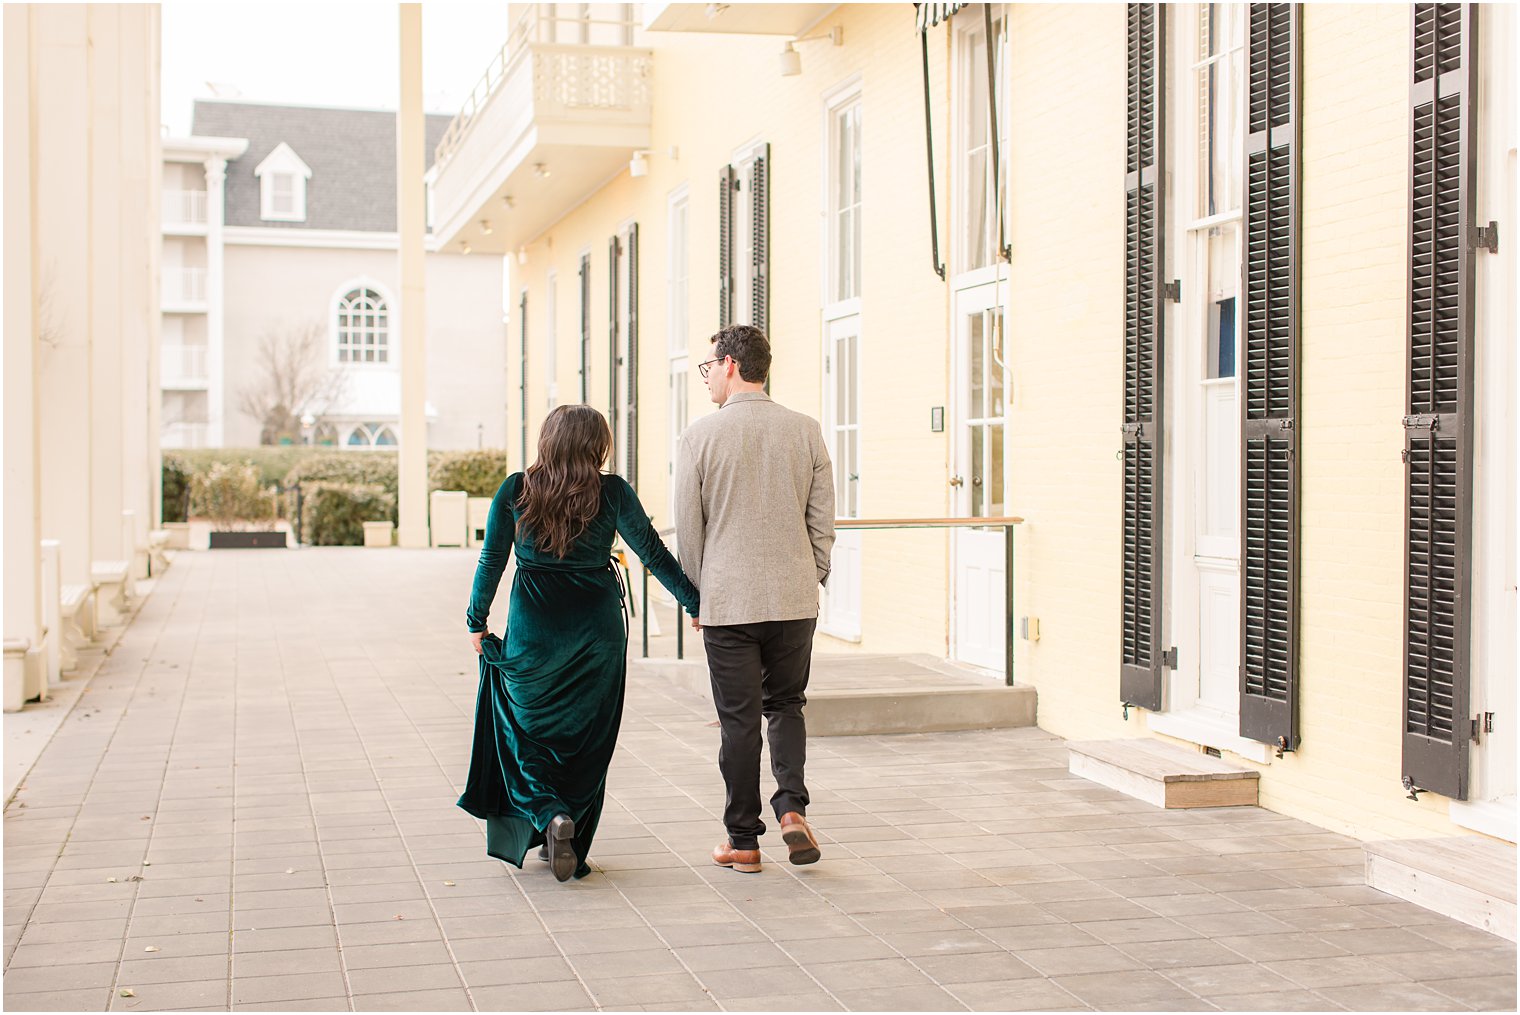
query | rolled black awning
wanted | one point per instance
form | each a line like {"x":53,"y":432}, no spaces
{"x":930,"y":15}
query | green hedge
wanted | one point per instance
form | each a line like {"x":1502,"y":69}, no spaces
{"x":478,"y":473}
{"x":176,"y":487}
{"x":335,"y":513}
{"x":232,"y":496}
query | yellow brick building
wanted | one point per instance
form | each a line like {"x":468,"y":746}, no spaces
{"x":1192,"y":224}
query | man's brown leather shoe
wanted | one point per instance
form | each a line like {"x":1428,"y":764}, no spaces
{"x":746,"y":861}
{"x":799,"y":839}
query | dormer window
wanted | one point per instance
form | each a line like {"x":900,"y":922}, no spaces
{"x":282,"y":185}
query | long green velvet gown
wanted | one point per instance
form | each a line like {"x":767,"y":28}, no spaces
{"x":551,"y":692}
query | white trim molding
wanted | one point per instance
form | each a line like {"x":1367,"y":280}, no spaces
{"x":334,"y":239}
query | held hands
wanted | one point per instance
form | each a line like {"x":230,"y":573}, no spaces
{"x":475,"y":639}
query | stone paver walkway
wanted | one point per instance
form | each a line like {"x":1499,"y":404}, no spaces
{"x":252,"y":806}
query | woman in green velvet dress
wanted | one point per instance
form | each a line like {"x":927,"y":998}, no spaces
{"x":551,"y":691}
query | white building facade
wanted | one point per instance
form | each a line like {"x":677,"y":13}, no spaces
{"x":280,"y":261}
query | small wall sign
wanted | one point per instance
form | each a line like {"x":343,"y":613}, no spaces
{"x":937,"y":419}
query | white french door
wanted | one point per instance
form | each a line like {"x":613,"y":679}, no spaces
{"x":979,"y":480}
{"x":841,"y":597}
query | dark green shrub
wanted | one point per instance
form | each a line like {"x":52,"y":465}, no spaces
{"x":334,"y":513}
{"x":176,"y":488}
{"x":477,"y":473}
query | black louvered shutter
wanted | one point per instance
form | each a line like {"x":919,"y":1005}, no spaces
{"x":726,"y":247}
{"x":631,"y":425}
{"x":522,"y":395}
{"x":585,"y":329}
{"x":1269,"y":413}
{"x":760,"y":232}
{"x":1438,"y":425}
{"x":614,"y":360}
{"x":1140,"y":661}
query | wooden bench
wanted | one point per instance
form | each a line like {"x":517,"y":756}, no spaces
{"x":111,"y":578}
{"x":1164,"y":774}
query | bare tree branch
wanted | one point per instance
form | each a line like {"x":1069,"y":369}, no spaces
{"x":291,"y":377}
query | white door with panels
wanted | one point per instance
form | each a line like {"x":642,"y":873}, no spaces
{"x":979,"y":478}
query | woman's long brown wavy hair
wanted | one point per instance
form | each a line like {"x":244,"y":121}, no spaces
{"x":562,"y":490}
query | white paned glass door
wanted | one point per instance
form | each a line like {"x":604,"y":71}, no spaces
{"x":980,"y":479}
{"x":841,"y":597}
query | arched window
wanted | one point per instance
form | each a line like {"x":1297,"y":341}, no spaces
{"x":363,"y":327}
{"x":372,"y":435}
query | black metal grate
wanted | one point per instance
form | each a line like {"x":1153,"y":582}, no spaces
{"x":1438,"y":424}
{"x":1269,"y":334}
{"x":1140,"y":669}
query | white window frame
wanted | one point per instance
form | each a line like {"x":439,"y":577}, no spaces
{"x":842,"y":97}
{"x":280,"y":164}
{"x":968,"y":29}
{"x":744,"y":227}
{"x":551,"y":340}
{"x":677,"y":328}
{"x":335,"y":332}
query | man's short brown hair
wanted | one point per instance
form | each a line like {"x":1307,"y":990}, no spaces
{"x":749,"y":348}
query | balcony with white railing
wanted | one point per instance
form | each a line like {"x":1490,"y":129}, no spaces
{"x":183,"y":367}
{"x":563,"y":105}
{"x":185,"y":434}
{"x":184,"y":212}
{"x":184,"y":290}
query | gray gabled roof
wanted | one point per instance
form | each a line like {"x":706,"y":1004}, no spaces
{"x":351,"y":153}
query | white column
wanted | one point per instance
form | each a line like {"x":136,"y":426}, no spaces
{"x":216,"y":400}
{"x":23,"y":552}
{"x":411,"y":212}
{"x":140,"y":170}
{"x":62,"y":74}
{"x":105,"y":293}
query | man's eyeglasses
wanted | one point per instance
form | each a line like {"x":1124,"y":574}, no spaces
{"x":703,"y":368}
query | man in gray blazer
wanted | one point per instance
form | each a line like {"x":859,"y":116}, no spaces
{"x":754,"y":528}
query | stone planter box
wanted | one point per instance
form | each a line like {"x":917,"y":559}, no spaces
{"x":379,"y":533}
{"x":247,"y":540}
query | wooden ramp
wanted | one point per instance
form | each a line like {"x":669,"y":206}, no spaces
{"x":1163,"y":774}
{"x":1468,"y":878}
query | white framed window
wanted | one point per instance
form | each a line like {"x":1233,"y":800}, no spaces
{"x":371,"y":435}
{"x":844,"y":201}
{"x":977,"y":204}
{"x":362,"y":325}
{"x":282,"y":185}
{"x":744,"y":229}
{"x":551,"y":346}
{"x":678,"y":329}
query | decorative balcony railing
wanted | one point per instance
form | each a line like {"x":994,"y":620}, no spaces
{"x":578,"y":64}
{"x":185,"y":434}
{"x":183,"y":365}
{"x":184,"y":286}
{"x":183,"y":208}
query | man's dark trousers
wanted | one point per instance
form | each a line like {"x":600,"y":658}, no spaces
{"x":760,"y":670}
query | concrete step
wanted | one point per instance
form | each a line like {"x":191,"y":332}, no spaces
{"x":1163,"y":774}
{"x":1468,"y":878}
{"x":859,"y":711}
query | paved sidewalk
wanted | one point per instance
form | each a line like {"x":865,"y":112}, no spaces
{"x":252,"y":806}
